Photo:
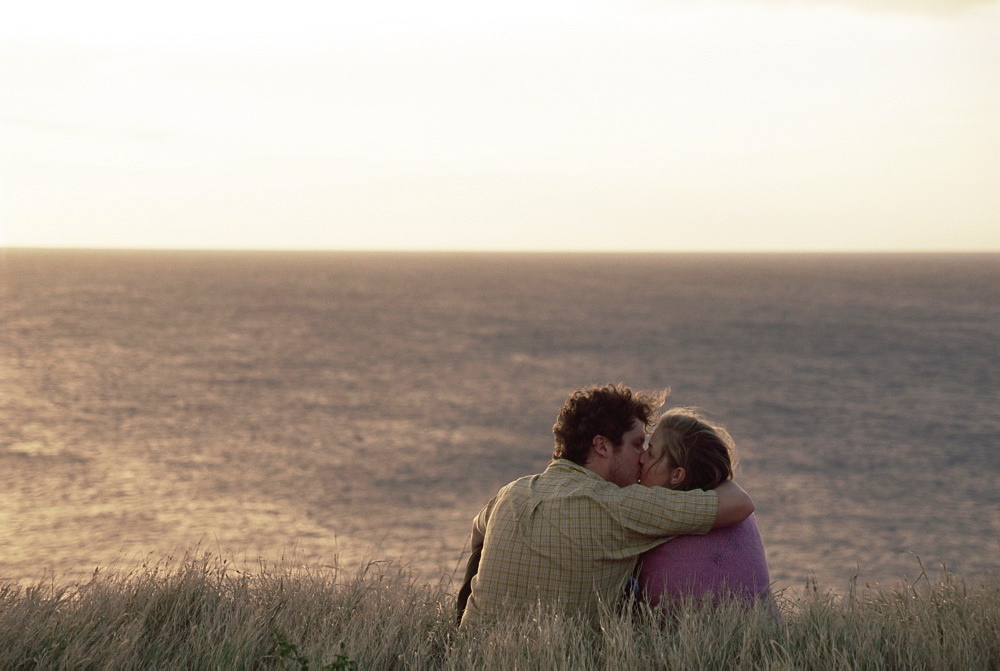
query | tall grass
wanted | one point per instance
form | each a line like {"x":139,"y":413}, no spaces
{"x":205,"y":612}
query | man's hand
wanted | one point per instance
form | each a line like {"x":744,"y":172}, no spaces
{"x":735,"y":505}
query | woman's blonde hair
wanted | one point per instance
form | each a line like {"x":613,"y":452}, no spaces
{"x":703,"y":449}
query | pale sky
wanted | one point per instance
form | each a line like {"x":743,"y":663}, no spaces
{"x":568,"y":125}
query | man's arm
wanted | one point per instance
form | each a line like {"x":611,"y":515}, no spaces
{"x":471,"y":569}
{"x":735,"y":505}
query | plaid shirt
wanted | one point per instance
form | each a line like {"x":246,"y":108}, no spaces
{"x":568,"y":538}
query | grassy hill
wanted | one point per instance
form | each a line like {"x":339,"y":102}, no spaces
{"x":205,"y":612}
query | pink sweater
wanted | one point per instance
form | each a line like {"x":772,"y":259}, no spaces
{"x":727,"y":561}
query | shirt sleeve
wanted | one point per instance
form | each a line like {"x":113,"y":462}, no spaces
{"x":658,"y":512}
{"x":479,"y":523}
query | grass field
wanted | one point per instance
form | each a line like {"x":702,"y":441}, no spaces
{"x":206,"y":612}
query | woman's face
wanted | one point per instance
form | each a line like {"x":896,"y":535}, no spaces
{"x":656,"y":467}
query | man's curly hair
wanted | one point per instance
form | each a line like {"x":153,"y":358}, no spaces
{"x":607,"y":411}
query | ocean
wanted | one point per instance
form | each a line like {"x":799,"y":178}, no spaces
{"x":334,"y":409}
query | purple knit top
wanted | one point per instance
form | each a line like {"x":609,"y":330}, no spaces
{"x":726,"y":562}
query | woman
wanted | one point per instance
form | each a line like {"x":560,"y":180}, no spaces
{"x":688,"y":452}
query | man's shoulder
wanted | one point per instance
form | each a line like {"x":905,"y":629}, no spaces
{"x":561,"y":478}
{"x":565,"y":474}
{"x":663,"y":496}
{"x":558,"y":470}
{"x":563,"y":469}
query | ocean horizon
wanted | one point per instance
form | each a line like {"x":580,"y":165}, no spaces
{"x":333,"y":408}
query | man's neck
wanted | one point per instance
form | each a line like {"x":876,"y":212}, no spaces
{"x":600,"y":466}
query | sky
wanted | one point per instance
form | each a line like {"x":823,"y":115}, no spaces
{"x":565,"y":125}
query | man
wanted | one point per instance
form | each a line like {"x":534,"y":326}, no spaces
{"x":568,"y":538}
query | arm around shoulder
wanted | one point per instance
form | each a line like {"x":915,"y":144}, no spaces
{"x":735,"y":505}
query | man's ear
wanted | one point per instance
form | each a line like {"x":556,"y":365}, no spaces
{"x":601,"y":446}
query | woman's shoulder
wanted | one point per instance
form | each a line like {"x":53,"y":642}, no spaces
{"x":741,"y":537}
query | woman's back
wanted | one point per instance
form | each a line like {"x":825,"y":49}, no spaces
{"x":728,"y":563}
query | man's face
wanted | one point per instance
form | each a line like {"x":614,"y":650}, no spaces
{"x":625,"y":461}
